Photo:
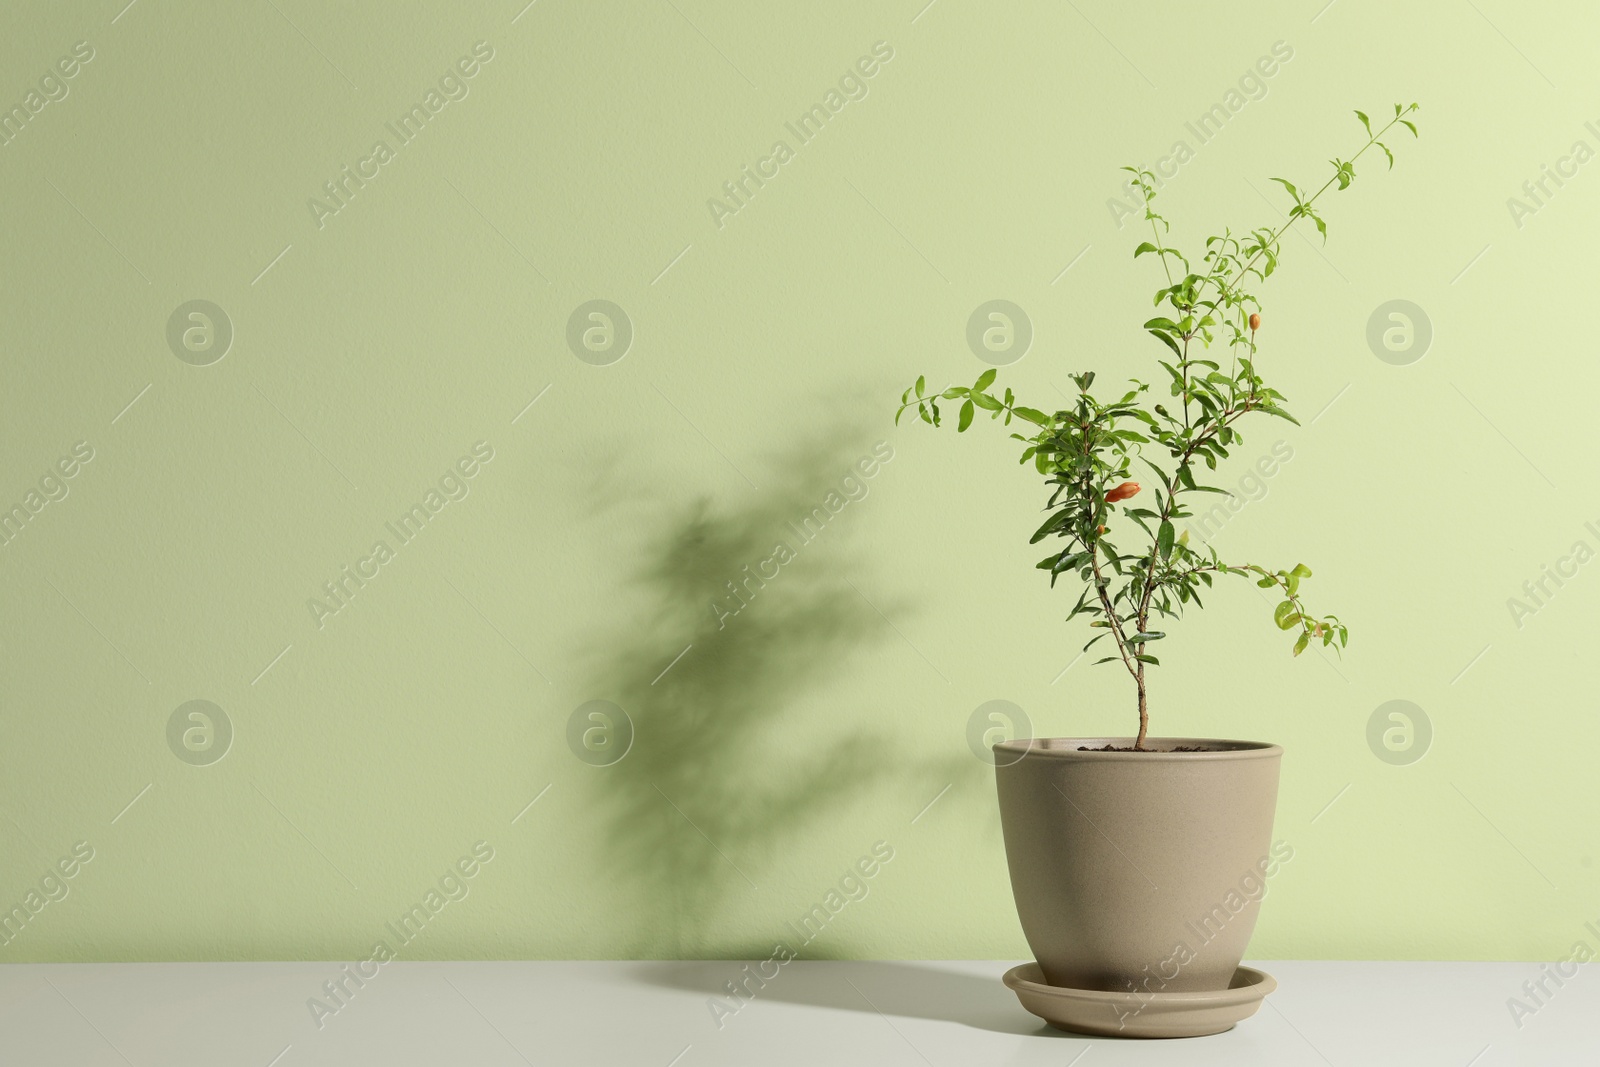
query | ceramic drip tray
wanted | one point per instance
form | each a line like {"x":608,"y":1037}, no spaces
{"x":1130,"y":1014}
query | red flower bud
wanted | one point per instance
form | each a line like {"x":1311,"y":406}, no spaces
{"x":1255,"y":322}
{"x":1122,"y":492}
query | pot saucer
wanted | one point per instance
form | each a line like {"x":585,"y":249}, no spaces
{"x":1111,"y":1014}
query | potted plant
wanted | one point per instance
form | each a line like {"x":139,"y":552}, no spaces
{"x":1137,"y":863}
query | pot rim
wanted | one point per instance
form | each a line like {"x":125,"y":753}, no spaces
{"x":1067,"y":748}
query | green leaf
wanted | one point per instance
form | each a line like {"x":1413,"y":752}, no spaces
{"x":1365,"y":124}
{"x":1289,"y":186}
{"x":1148,"y":635}
{"x":1143,"y":248}
{"x":1051,"y":525}
{"x":922,"y":382}
{"x":1164,"y":540}
{"x":966,"y":417}
{"x":1070,"y":559}
{"x":1408,"y":125}
{"x":1300,"y":645}
{"x":1142,"y":658}
{"x":1301,"y":571}
{"x":985,"y":380}
{"x":1386,"y":152}
{"x":1167,"y":340}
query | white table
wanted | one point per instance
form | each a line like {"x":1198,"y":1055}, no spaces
{"x":832,"y":1013}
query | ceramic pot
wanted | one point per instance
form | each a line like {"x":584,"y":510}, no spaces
{"x":1139,"y":871}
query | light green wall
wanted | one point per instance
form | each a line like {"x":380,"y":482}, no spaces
{"x":423,"y":316}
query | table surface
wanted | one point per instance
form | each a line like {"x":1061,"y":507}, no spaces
{"x":812,"y":1012}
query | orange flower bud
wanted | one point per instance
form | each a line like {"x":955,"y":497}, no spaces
{"x":1100,"y":529}
{"x":1255,"y":322}
{"x":1122,"y":492}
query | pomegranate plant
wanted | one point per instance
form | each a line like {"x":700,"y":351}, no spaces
{"x":1086,"y":452}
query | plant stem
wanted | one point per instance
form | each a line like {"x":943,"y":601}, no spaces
{"x":1100,"y":584}
{"x":1307,"y":624}
{"x":1161,"y":252}
{"x":1144,"y":714}
{"x":1281,"y":230}
{"x":1113,"y":622}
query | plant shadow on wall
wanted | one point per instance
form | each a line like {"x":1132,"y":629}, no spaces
{"x":753,"y":613}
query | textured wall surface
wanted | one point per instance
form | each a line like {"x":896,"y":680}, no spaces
{"x":311,"y":418}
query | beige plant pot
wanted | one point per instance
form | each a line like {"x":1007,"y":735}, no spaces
{"x":1139,"y":871}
